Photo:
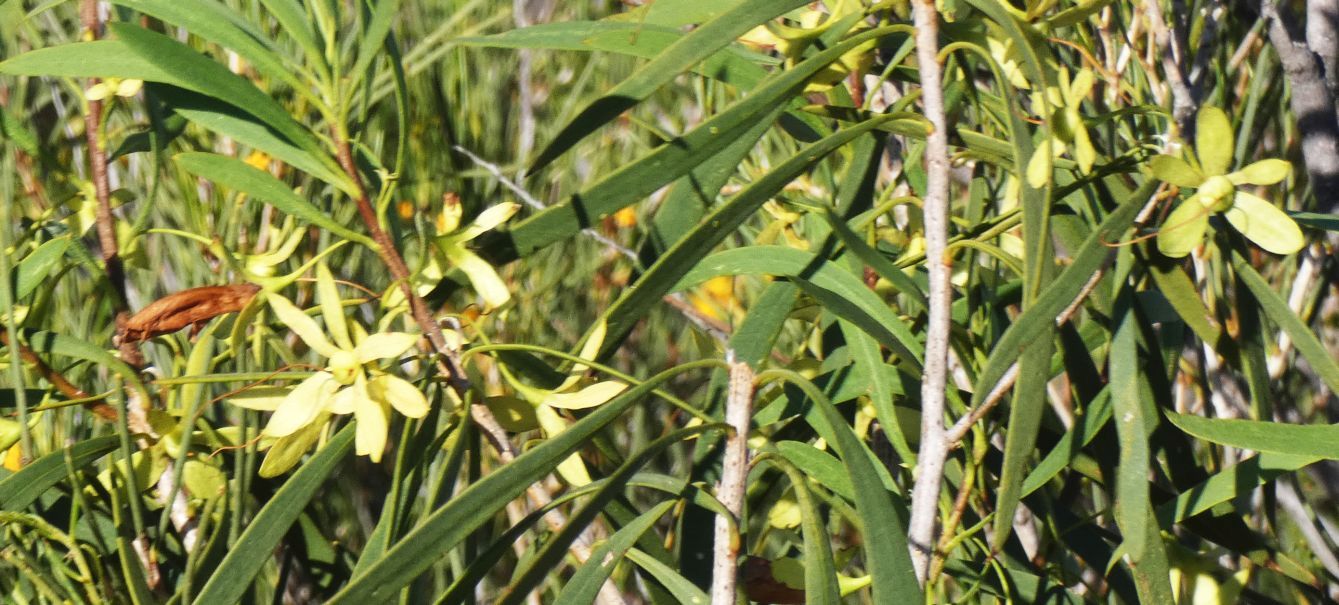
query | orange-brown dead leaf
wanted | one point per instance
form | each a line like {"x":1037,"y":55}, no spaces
{"x":186,"y":308}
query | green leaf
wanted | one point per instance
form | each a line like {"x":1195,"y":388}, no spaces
{"x":255,"y":547}
{"x":441,"y":531}
{"x":1266,"y":225}
{"x":60,"y":344}
{"x":1093,"y":419}
{"x":235,"y":123}
{"x":730,"y":65}
{"x":378,"y":27}
{"x":293,"y":21}
{"x":860,"y":305}
{"x":20,"y":490}
{"x":1317,"y":440}
{"x":1230,"y":483}
{"x":142,"y":54}
{"x":1184,"y":228}
{"x":1264,"y":172}
{"x":1213,"y":141}
{"x":1175,"y":171}
{"x":1277,"y":310}
{"x":586,"y":582}
{"x":555,"y":548}
{"x":819,"y":466}
{"x":259,"y":184}
{"x":678,"y":157}
{"x":1132,"y":487}
{"x":882,"y":523}
{"x":225,"y":26}
{"x":674,"y":60}
{"x":1039,"y":319}
{"x":820,"y":574}
{"x":659,"y":279}
{"x":683,"y":590}
{"x":35,"y":267}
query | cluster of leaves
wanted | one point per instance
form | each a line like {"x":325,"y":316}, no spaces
{"x":1154,"y":424}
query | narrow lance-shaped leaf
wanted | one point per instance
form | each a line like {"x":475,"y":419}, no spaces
{"x":238,"y":175}
{"x":679,"y":57}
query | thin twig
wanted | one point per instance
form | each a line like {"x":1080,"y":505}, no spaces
{"x":713,"y":327}
{"x":1172,"y":55}
{"x":933,"y":449}
{"x":57,"y":380}
{"x":530,"y":200}
{"x":1006,"y":382}
{"x":734,"y":473}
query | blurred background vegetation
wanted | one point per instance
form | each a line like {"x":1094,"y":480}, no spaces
{"x":1151,"y":446}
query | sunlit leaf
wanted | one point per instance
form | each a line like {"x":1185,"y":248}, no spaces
{"x":1184,"y":228}
{"x":1213,"y":140}
{"x":588,"y":397}
{"x":1175,"y":171}
{"x":1263,"y":172}
{"x":1266,"y":225}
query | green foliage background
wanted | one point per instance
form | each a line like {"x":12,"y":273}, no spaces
{"x":692,"y":189}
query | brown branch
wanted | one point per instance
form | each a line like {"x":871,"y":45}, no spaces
{"x":57,"y":380}
{"x":106,"y":223}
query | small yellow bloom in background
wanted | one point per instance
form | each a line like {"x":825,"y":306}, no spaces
{"x":10,"y":434}
{"x":626,"y":218}
{"x":405,"y":209}
{"x":259,"y":160}
{"x":13,"y":458}
{"x":113,"y":87}
{"x":350,"y":383}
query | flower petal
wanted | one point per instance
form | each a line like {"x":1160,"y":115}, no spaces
{"x":383,"y":345}
{"x":297,"y":321}
{"x":331,"y":308}
{"x":286,"y":452}
{"x":1174,"y":170}
{"x":344,"y":401}
{"x":370,"y":439}
{"x":128,"y":87}
{"x":1213,"y":140}
{"x":1081,"y":86}
{"x":482,"y":275}
{"x":588,"y":397}
{"x":302,"y":405}
{"x":1266,"y":225}
{"x":400,"y":393}
{"x":1264,"y":172}
{"x":1184,"y":228}
{"x":1039,"y":167}
{"x":1083,"y":147}
{"x":488,"y":219}
{"x":571,"y":469}
{"x":98,"y":92}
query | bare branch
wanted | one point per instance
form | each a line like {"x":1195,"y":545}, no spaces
{"x":933,"y":448}
{"x":734,"y":473}
{"x":1312,"y":105}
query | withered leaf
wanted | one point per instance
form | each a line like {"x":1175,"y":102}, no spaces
{"x":186,"y":308}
